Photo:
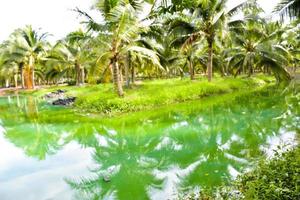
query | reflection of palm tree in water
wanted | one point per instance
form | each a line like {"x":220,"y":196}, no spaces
{"x":150,"y":164}
{"x":31,"y":108}
{"x":33,"y":133}
{"x":123,"y":168}
{"x":200,"y":149}
{"x":190,"y":141}
{"x":234,"y":136}
{"x":180,"y":150}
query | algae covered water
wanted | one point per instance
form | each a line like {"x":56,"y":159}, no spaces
{"x":49,"y":152}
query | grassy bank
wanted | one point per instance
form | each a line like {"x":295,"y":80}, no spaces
{"x":152,"y":94}
{"x":275,"y":179}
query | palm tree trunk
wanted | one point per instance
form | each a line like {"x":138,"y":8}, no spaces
{"x":132,"y":74}
{"x":249,"y":71}
{"x":117,"y":78}
{"x":77,"y":71}
{"x":191,"y":67}
{"x":31,"y":73}
{"x":250,"y":68}
{"x":127,"y":63}
{"x":127,"y":79}
{"x":29,"y":79}
{"x":111,"y":73}
{"x":16,"y":80}
{"x":7,"y":83}
{"x":210,"y":61}
{"x":26,"y":78}
{"x":227,"y":70}
{"x":22,"y":76}
{"x":32,"y":78}
{"x":82,"y":76}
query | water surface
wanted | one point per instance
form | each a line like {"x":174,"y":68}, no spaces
{"x":51,"y":152}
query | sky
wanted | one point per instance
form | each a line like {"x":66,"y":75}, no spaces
{"x":56,"y":17}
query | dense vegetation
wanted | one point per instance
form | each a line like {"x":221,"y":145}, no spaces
{"x":275,"y":179}
{"x":271,"y":179}
{"x":174,"y":39}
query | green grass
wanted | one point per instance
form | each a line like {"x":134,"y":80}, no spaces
{"x":152,"y":94}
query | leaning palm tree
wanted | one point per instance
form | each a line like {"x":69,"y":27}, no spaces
{"x":288,"y":8}
{"x":205,"y":20}
{"x":28,"y":46}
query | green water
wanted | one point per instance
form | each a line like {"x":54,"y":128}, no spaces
{"x":51,"y":152}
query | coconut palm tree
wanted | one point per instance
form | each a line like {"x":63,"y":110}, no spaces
{"x":291,"y":41}
{"x":28,"y":46}
{"x":122,"y":24}
{"x":167,"y":41}
{"x":205,"y":20}
{"x":71,"y":55}
{"x":9,"y":68}
{"x":256,"y":45}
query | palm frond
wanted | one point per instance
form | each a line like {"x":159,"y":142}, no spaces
{"x":288,"y":8}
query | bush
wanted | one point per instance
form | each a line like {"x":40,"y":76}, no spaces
{"x":278,"y":178}
{"x":275,"y":179}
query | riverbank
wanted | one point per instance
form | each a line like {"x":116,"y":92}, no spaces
{"x":4,"y":91}
{"x":151,"y":94}
{"x":277,"y":178}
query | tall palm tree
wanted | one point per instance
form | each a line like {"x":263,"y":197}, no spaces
{"x":160,"y":38}
{"x":29,"y":46}
{"x":205,"y":19}
{"x":256,"y":45}
{"x":9,"y":68}
{"x":71,"y":54}
{"x":166,"y":37}
{"x":291,"y":41}
{"x":122,"y":24}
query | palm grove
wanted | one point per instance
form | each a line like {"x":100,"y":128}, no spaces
{"x":175,"y":39}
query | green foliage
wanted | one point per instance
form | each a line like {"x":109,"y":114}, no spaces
{"x":176,"y":38}
{"x":151,"y":94}
{"x":156,"y":93}
{"x":274,"y":179}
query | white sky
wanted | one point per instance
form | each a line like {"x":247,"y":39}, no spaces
{"x":56,"y":17}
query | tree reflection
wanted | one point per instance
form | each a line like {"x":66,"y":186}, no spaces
{"x":154,"y":155}
{"x":34,"y":128}
{"x":182,"y":150}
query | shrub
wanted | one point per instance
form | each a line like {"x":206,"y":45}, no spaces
{"x":275,"y":179}
{"x":278,"y":178}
